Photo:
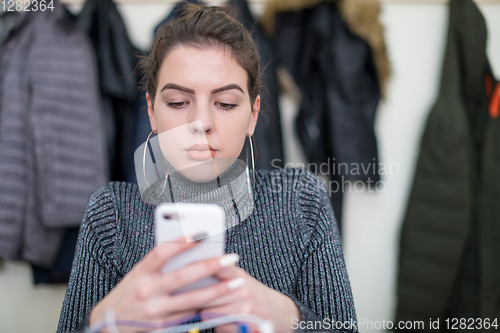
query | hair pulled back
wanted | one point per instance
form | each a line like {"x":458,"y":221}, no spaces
{"x":203,"y":26}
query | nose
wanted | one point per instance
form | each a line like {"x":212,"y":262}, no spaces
{"x":199,"y":126}
{"x":202,"y":121}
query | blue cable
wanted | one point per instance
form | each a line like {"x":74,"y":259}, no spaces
{"x":243,"y":328}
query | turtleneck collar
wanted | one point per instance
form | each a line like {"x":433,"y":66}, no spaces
{"x":231,"y":190}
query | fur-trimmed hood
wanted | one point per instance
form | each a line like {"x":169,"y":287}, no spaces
{"x":362,"y":18}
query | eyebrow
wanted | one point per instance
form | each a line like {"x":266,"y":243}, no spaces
{"x":177,"y":87}
{"x":191,"y":91}
{"x":228,"y":87}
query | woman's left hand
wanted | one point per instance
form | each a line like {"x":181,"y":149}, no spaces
{"x":252,"y":298}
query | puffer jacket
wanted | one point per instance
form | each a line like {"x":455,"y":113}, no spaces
{"x":52,"y":155}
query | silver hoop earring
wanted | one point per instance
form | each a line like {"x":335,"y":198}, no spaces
{"x":253,"y":158}
{"x":146,"y":145}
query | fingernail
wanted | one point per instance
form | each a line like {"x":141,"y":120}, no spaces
{"x":229,"y":259}
{"x":199,"y":236}
{"x":235,"y":283}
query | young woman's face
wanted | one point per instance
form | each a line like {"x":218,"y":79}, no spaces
{"x":202,"y":110}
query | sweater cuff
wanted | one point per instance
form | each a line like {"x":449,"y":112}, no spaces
{"x":84,"y":327}
{"x":306,"y":314}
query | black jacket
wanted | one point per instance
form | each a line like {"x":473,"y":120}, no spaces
{"x":336,"y":75}
{"x":116,"y":62}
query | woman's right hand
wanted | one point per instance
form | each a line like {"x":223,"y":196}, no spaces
{"x":143,"y":295}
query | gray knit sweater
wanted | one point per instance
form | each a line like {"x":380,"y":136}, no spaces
{"x":290,"y":243}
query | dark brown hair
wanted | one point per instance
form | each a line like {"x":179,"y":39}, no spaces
{"x":203,"y":26}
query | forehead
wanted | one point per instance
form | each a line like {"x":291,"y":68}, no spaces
{"x":202,"y":68}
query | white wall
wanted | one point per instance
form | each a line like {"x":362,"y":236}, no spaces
{"x":415,"y":36}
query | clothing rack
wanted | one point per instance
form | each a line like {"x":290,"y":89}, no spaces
{"x":409,"y":2}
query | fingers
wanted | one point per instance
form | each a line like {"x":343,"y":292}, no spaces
{"x":223,"y":300}
{"x":216,"y":312}
{"x":240,"y":295}
{"x":227,"y":328}
{"x":196,"y":299}
{"x":154,"y":314}
{"x":199,"y":270}
{"x":156,"y":258}
{"x":190,"y":302}
{"x":180,"y":317}
{"x":231,"y":272}
{"x":185,"y":276}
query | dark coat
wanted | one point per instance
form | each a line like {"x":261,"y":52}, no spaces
{"x":116,"y":62}
{"x":448,"y":265}
{"x":335,"y":72}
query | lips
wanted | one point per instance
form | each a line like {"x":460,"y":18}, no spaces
{"x":201,"y":152}
{"x":200,"y":147}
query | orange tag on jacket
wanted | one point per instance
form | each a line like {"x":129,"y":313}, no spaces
{"x":495,"y":102}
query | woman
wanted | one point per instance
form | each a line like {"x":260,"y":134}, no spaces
{"x":204,"y":69}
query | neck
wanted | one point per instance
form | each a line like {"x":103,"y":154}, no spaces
{"x":231,"y":190}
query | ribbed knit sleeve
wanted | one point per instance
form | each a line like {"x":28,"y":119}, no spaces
{"x":323,"y":289}
{"x":94,"y":271}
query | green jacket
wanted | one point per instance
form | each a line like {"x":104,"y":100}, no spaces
{"x":449,"y":264}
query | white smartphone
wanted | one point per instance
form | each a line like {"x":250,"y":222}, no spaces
{"x":173,"y":220}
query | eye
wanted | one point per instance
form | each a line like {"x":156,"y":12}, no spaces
{"x":226,"y":106}
{"x":176,"y":105}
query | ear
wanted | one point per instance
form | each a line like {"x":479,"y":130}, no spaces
{"x":254,"y":117}
{"x":151,"y":113}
